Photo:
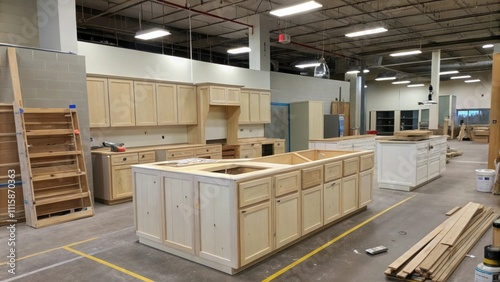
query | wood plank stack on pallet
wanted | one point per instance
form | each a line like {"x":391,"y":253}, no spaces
{"x":438,"y":254}
{"x":10,"y":162}
{"x":412,"y":135}
{"x":481,"y":134}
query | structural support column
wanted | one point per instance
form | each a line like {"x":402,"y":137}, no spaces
{"x":355,"y":92}
{"x":494,"y":144}
{"x":260,"y":56}
{"x":433,"y":109}
{"x":57,"y":25}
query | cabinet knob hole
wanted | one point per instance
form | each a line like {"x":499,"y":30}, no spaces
{"x":124,"y":159}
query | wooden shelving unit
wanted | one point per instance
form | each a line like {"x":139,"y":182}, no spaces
{"x":56,"y":189}
{"x":408,"y":120}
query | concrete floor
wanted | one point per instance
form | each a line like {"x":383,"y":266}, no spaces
{"x":113,"y":240}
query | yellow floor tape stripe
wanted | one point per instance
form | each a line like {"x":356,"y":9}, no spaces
{"x":142,"y":278}
{"x":297,"y":262}
{"x":53,"y":249}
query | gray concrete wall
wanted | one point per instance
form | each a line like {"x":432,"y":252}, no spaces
{"x":19,"y":22}
{"x":50,"y":80}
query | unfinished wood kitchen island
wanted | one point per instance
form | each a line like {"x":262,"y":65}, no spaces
{"x":229,"y":214}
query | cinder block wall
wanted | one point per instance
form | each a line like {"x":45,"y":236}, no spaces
{"x":50,"y":80}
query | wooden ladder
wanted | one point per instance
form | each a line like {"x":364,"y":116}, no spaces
{"x":55,"y":186}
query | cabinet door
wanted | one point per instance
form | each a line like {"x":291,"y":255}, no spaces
{"x":255,"y":232}
{"x":244,"y":107}
{"x":217,"y":95}
{"x":331,"y":201}
{"x":122,"y":181}
{"x":278,"y":147}
{"x":148,"y":206}
{"x":256,"y":150}
{"x":433,"y":168}
{"x":287,"y":219}
{"x":254,"y":107}
{"x":97,"y":92}
{"x":232,"y":96}
{"x":422,"y":172}
{"x":365,"y":187}
{"x":166,"y":95}
{"x":349,"y":194}
{"x":145,"y":103}
{"x":265,"y":107}
{"x":312,"y":209}
{"x":187,"y":104}
{"x":179,"y":213}
{"x":121,"y":102}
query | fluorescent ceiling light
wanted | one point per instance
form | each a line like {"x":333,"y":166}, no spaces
{"x":405,"y":53}
{"x":366,"y":86}
{"x":385,"y":78}
{"x":353,"y":71}
{"x":415,"y":85}
{"x":239,"y":50}
{"x":301,"y":66}
{"x":460,"y":77}
{"x":295,"y":9}
{"x":401,"y":82}
{"x":472,"y":80}
{"x":488,"y":46}
{"x":448,"y":72}
{"x":366,"y":32}
{"x":151,"y":33}
{"x":366,"y":71}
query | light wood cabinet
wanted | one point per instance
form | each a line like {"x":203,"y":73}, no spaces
{"x":351,"y":166}
{"x":287,"y":183}
{"x":255,"y":106}
{"x":145,"y":103}
{"x":250,"y":150}
{"x":312,"y":209}
{"x":122,"y":181}
{"x":221,"y":95}
{"x":366,"y":162}
{"x":279,"y":147}
{"x":179,"y":212}
{"x":176,"y":104}
{"x":186,"y":104}
{"x":312,"y":176}
{"x":333,"y":171}
{"x":254,"y":191}
{"x":98,"y":101}
{"x":265,"y":107}
{"x":287,"y":219}
{"x":331,"y":201}
{"x":349,"y":194}
{"x":244,"y":107}
{"x":207,"y":151}
{"x":256,"y":232}
{"x":365,"y":187}
{"x":121,"y":102}
{"x":148,"y":206}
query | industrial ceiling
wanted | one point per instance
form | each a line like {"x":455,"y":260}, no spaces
{"x":459,"y":28}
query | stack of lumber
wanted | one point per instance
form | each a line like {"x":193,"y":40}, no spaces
{"x":481,"y":134}
{"x":438,"y":254}
{"x":412,"y":135}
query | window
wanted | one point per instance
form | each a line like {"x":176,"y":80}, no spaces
{"x":474,"y":116}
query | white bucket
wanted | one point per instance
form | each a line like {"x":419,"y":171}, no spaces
{"x":485,"y":179}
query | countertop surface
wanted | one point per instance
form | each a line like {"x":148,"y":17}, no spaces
{"x":107,"y":150}
{"x":392,"y":139}
{"x":335,"y":139}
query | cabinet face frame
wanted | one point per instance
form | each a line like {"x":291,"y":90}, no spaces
{"x":121,"y":102}
{"x":187,"y":110}
{"x":287,"y":219}
{"x":98,"y":102}
{"x":145,"y":104}
{"x":166,"y":96}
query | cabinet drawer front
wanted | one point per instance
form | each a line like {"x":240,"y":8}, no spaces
{"x":365,"y":162}
{"x":179,"y":154}
{"x":147,"y":157}
{"x":122,"y":159}
{"x":208,"y":150}
{"x":312,"y":176}
{"x":351,"y":166}
{"x":255,"y":191}
{"x":333,"y":171}
{"x":278,"y":144}
{"x":286,"y":183}
{"x":245,"y":153}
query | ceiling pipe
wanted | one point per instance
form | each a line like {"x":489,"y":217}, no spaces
{"x":204,"y":13}
{"x":325,"y":51}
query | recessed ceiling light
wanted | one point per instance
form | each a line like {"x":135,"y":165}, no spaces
{"x":472,"y":80}
{"x":353,"y":71}
{"x":366,"y":71}
{"x":239,"y":50}
{"x":301,"y":66}
{"x":448,"y":72}
{"x":295,"y":9}
{"x":366,"y":32}
{"x":460,"y":77}
{"x":488,"y":46}
{"x":405,"y":53}
{"x":415,"y":85}
{"x":385,"y":78}
{"x":401,"y":82}
{"x":151,"y":33}
{"x":366,"y":86}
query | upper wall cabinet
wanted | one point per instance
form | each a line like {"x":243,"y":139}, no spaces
{"x":255,"y":106}
{"x":176,"y":104}
{"x":221,"y":95}
{"x":97,"y":89}
{"x":145,"y":103}
{"x":121,"y":102}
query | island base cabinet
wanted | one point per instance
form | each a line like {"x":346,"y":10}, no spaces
{"x":179,"y":213}
{"x":255,"y":232}
{"x":349,"y":194}
{"x":148,"y":206}
{"x":287,"y":219}
{"x":331,"y":201}
{"x":312,"y":209}
{"x":365,"y":187}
